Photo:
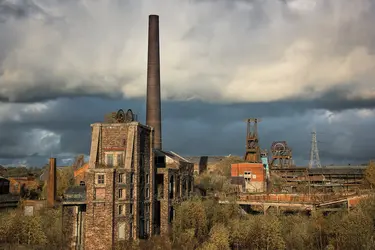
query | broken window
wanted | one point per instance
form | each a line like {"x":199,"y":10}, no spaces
{"x":171,"y":213}
{"x":131,"y":177}
{"x":109,"y":160}
{"x":147,"y":179}
{"x":147,"y":222}
{"x":120,"y":159}
{"x":147,"y":193}
{"x":120,"y":209}
{"x":120,"y":193}
{"x":171,"y":187}
{"x":131,"y":193}
{"x":130,"y":208}
{"x":120,"y":178}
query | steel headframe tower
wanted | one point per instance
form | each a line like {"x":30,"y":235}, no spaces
{"x":314,"y":153}
{"x":252,"y":143}
{"x":281,"y":155}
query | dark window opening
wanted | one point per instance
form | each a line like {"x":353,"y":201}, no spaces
{"x":171,"y":187}
{"x":171,"y":212}
{"x":147,"y":193}
{"x":120,"y":178}
{"x":160,"y":186}
{"x":120,"y":193}
{"x":120,"y":160}
{"x":101,"y":179}
{"x":120,"y":209}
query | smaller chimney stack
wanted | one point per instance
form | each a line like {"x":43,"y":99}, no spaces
{"x":51,"y":183}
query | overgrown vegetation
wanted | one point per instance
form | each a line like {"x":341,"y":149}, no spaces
{"x":205,"y":225}
{"x":370,"y":174}
{"x":217,"y":179}
{"x":42,"y":231}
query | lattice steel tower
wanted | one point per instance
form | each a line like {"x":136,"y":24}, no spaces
{"x":314,"y":153}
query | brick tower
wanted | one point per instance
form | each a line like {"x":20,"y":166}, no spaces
{"x":118,"y":183}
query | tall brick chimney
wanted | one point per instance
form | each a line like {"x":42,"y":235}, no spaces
{"x":153,"y":112}
{"x":51,"y":183}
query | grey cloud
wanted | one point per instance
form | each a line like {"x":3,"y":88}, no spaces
{"x":93,"y":52}
{"x":8,"y":10}
{"x":20,"y":9}
{"x":192,"y":128}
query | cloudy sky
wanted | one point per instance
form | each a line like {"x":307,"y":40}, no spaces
{"x":297,"y":64}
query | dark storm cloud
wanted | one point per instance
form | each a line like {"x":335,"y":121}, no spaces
{"x":189,"y":129}
{"x":20,"y":9}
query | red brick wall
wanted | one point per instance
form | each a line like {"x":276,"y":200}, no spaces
{"x":238,"y":169}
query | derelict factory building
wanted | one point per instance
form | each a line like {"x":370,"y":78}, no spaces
{"x":131,"y":184}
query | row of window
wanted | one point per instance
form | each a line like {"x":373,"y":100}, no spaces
{"x":121,"y":193}
{"x":121,"y":209}
{"x":114,"y":159}
{"x":121,"y":229}
{"x":121,"y":178}
{"x":100,"y":179}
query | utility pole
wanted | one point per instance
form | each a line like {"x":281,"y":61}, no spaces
{"x":314,"y":153}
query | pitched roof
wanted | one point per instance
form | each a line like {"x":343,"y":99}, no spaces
{"x":205,"y":159}
{"x":171,"y":154}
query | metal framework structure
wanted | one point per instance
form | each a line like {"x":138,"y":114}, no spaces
{"x":281,"y":155}
{"x":314,"y":153}
{"x":252,"y":153}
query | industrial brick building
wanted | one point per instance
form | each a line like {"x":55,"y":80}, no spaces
{"x":129,"y":190}
{"x":118,"y":195}
{"x":249,"y":177}
{"x":130,"y":186}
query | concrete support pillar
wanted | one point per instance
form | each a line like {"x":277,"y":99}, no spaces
{"x":265,"y":208}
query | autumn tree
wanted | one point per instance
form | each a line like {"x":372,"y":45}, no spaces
{"x":370,"y":173}
{"x":65,"y":179}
